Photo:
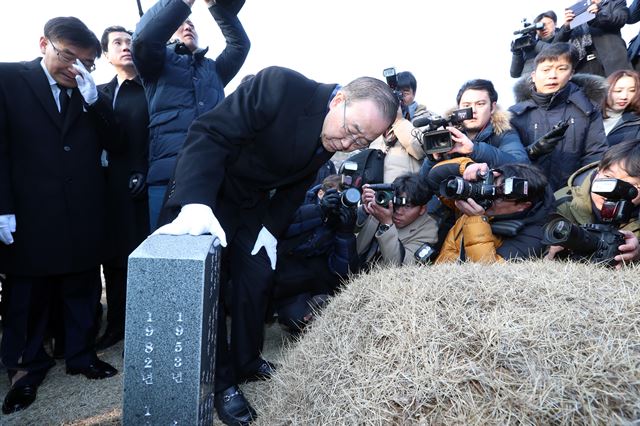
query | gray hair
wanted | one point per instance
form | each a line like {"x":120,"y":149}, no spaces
{"x":369,"y":88}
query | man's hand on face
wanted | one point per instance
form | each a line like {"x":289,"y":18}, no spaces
{"x":629,"y":251}
{"x":470,"y":207}
{"x":463,"y":144}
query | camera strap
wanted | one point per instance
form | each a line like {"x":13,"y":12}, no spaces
{"x":507,"y":228}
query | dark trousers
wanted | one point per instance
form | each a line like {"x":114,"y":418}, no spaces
{"x":251,"y":286}
{"x":25,"y":320}
{"x":115,"y":277}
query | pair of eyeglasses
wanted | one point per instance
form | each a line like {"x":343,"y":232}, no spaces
{"x":69,"y":59}
{"x":360,"y":142}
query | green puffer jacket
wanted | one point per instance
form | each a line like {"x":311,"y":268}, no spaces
{"x":574,"y":200}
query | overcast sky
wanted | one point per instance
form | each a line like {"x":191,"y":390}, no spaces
{"x":444,"y":43}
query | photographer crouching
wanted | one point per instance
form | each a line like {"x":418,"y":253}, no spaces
{"x":604,"y":194}
{"x":397,"y":225}
{"x":316,"y":253}
{"x":503,"y":210}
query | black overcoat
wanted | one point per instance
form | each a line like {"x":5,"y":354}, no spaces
{"x":50,"y":174}
{"x":127,"y":217}
{"x":253,"y":157}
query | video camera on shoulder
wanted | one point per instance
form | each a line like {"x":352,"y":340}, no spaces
{"x":595,"y":242}
{"x":484,"y":191}
{"x":527,"y":39}
{"x":392,"y":81}
{"x":437,"y":139}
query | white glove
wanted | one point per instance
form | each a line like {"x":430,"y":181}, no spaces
{"x":195,"y":219}
{"x":7,"y":226}
{"x":269,"y":242}
{"x":86,"y":85}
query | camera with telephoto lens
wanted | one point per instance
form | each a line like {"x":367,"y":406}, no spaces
{"x":437,"y":138}
{"x":484,"y":191}
{"x":596,"y":242}
{"x":392,"y":81}
{"x":350,"y":195}
{"x":527,"y":38}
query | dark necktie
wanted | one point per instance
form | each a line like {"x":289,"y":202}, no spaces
{"x":64,"y":100}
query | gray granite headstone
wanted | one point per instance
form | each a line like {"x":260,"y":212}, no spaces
{"x":170,"y":331}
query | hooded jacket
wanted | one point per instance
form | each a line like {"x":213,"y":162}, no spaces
{"x":584,"y":141}
{"x":574,"y":200}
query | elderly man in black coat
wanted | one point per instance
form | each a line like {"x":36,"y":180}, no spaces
{"x":250,"y":160}
{"x":53,"y":126}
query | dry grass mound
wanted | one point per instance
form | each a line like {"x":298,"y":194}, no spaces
{"x":531,"y":343}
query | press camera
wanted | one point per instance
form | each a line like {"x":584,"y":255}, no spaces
{"x":392,"y":81}
{"x":484,"y":191}
{"x":436,"y":138}
{"x":350,"y":194}
{"x":386,"y":193}
{"x":596,"y":242}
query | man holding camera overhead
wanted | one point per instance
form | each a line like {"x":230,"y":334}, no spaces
{"x":526,"y":46}
{"x":578,"y":204}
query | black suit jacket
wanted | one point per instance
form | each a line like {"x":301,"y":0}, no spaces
{"x":127,"y":218}
{"x":265,"y":136}
{"x":50,"y":174}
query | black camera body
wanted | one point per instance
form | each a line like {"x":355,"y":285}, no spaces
{"x":350,"y":194}
{"x":392,"y":81}
{"x":596,"y":242}
{"x":385,"y":193}
{"x":527,"y":39}
{"x":437,"y":139}
{"x":484,"y":191}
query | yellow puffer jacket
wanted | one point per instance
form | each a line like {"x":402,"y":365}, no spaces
{"x":474,"y":232}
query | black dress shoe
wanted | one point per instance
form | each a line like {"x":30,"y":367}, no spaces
{"x":108,"y":339}
{"x":18,"y":398}
{"x":233,"y":408}
{"x":264,"y":372}
{"x":97,"y":370}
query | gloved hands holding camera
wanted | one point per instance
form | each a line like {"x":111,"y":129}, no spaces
{"x":346,"y":219}
{"x":330,"y":204}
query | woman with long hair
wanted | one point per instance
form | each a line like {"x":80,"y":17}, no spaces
{"x":621,"y":108}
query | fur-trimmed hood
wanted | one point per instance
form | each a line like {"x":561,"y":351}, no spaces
{"x":593,"y":86}
{"x":500,"y":119}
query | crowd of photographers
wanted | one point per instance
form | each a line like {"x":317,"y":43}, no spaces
{"x":556,"y":175}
